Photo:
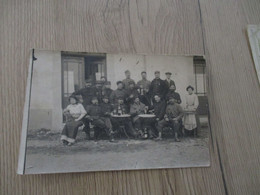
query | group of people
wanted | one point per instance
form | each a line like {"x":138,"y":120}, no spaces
{"x":95,"y":106}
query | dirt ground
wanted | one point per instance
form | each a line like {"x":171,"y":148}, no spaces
{"x":46,"y":154}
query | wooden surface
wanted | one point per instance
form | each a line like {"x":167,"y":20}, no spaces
{"x":216,"y":28}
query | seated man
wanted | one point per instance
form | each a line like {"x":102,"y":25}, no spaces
{"x":137,"y":108}
{"x":158,"y":109}
{"x":106,"y":109}
{"x":131,"y":93}
{"x":172,"y":118}
{"x":120,"y":109}
{"x":94,"y":115}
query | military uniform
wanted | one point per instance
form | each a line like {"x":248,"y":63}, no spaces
{"x":106,"y":109}
{"x":130,"y":95}
{"x":106,"y":92}
{"x":135,"y":110}
{"x":158,"y":87}
{"x":173,"y":111}
{"x":118,"y":93}
{"x":95,"y":116}
{"x":126,"y":82}
{"x":87,"y":94}
{"x":175,"y":95}
{"x":143,"y":88}
{"x":159,"y":109}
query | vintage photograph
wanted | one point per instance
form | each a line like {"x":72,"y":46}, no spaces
{"x":102,"y":111}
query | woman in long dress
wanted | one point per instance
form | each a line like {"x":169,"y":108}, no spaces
{"x":190,"y":118}
{"x":73,"y":113}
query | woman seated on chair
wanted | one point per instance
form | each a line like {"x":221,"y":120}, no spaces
{"x":74,"y":114}
{"x":191,"y":121}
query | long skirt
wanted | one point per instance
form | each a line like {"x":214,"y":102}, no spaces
{"x":190,"y":121}
{"x":70,"y":131}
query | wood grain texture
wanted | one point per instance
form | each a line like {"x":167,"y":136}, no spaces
{"x":161,"y":27}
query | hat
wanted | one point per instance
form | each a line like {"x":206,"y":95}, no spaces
{"x":105,"y":97}
{"x":190,"y":88}
{"x":157,"y":71}
{"x":74,"y":97}
{"x":118,"y":82}
{"x":168,"y":73}
{"x":127,"y":71}
{"x":143,"y":72}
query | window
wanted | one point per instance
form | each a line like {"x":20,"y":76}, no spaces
{"x":200,"y":76}
{"x":76,"y":68}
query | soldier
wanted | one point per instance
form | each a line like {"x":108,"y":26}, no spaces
{"x":158,"y":109}
{"x":168,"y":79}
{"x":172,"y":93}
{"x":172,"y":118}
{"x":99,"y":86}
{"x":87,"y":93}
{"x":106,"y":90}
{"x":137,"y":108}
{"x":106,"y":109}
{"x":118,"y":93}
{"x":127,"y":79}
{"x":131,"y":93}
{"x":94,"y":115}
{"x":158,"y":86}
{"x":143,"y":88}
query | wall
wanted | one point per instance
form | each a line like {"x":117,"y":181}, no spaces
{"x":181,"y":68}
{"x":45,"y":107}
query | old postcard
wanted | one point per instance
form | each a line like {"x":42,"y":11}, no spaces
{"x":103,"y":111}
{"x":254,"y":40}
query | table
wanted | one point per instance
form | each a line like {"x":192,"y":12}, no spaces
{"x":122,"y":126}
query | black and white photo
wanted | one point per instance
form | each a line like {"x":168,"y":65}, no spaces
{"x":101,"y":111}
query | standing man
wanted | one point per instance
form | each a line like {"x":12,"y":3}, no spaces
{"x":143,"y":88}
{"x":118,"y":93}
{"x":172,"y":93}
{"x":158,"y":86}
{"x":128,"y":79}
{"x":168,"y":79}
{"x":106,"y":90}
{"x":87,"y":93}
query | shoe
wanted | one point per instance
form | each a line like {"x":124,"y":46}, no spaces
{"x":70,"y":144}
{"x":177,"y":139}
{"x":112,"y":140}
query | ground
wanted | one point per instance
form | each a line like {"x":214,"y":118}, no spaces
{"x":46,"y":154}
